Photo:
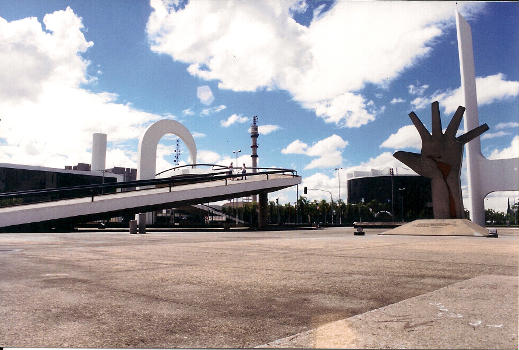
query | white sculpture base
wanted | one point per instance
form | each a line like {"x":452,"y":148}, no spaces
{"x":439,"y":227}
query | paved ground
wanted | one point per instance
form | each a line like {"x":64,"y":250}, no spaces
{"x":234,"y":289}
{"x":479,"y":313}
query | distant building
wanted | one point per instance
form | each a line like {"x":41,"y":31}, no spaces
{"x":412,"y":193}
{"x":128,"y":174}
{"x":79,"y":166}
{"x":17,"y":177}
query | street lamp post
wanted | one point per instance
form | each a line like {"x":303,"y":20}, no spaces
{"x":331,"y":197}
{"x":339,"y":200}
{"x":236,"y":166}
{"x":360,"y":214}
{"x":391,"y":172}
{"x":277,"y":208}
{"x":236,"y":156}
{"x":401,"y":190}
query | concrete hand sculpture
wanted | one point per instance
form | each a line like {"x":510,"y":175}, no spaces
{"x":440,"y":161}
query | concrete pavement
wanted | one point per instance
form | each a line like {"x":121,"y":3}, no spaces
{"x":224,"y":289}
{"x":479,"y":313}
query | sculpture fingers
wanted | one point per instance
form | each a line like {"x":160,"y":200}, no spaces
{"x":472,"y":134}
{"x":424,"y":133}
{"x":436,"y":121}
{"x":412,"y":160}
{"x":455,"y":122}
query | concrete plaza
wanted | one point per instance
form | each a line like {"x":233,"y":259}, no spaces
{"x":245,"y":289}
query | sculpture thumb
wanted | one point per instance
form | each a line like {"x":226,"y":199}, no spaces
{"x":412,"y":160}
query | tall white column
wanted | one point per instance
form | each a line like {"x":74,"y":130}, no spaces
{"x":471,"y":119}
{"x":484,"y":175}
{"x":98,"y":152}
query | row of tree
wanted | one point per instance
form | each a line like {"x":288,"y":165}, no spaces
{"x":323,"y":212}
{"x":339,"y":213}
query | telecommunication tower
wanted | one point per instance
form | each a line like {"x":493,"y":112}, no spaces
{"x":254,"y":137}
{"x":176,"y":157}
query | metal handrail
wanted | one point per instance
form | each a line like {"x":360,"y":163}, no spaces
{"x":222,"y":167}
{"x":137,"y":185}
{"x":191,"y":166}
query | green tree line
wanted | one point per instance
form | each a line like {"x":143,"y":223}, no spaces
{"x":339,"y":213}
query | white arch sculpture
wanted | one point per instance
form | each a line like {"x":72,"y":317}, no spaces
{"x":147,"y":162}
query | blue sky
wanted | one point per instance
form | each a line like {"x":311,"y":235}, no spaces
{"x":332,"y":83}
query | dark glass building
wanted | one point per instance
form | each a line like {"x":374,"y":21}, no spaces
{"x":16,"y":178}
{"x":411,"y":194}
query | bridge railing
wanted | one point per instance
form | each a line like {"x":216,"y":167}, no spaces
{"x":218,"y":168}
{"x":9,"y":199}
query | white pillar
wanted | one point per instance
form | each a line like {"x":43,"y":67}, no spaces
{"x":98,"y":152}
{"x":484,"y":175}
{"x":471,"y":120}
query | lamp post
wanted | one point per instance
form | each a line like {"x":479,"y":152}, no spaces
{"x":338,"y":201}
{"x":277,"y":208}
{"x":391,"y":173}
{"x":236,"y":156}
{"x":331,"y":197}
{"x":360,"y":214}
{"x":401,"y":190}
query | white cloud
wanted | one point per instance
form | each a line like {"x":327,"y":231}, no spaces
{"x":509,"y":152}
{"x":508,"y":125}
{"x":382,"y":161}
{"x":499,"y":200}
{"x":295,"y":147}
{"x":47,"y":117}
{"x":492,"y":135}
{"x":349,"y":110}
{"x":34,"y":56}
{"x":406,"y":137}
{"x":244,"y":158}
{"x":208,"y":111}
{"x":251,"y":45}
{"x":323,"y":183}
{"x":206,"y":156}
{"x":299,"y":6}
{"x":397,"y":100}
{"x":417,"y":89}
{"x":489,"y":89}
{"x":268,"y":128}
{"x":165,"y":156}
{"x":188,"y":111}
{"x":205,"y":95}
{"x":234,"y":118}
{"x":327,"y":151}
{"x":197,"y":134}
{"x":117,"y":157}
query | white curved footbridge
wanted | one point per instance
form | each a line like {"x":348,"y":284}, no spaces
{"x":109,"y":205}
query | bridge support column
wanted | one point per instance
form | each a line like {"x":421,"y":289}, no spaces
{"x":262,"y":210}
